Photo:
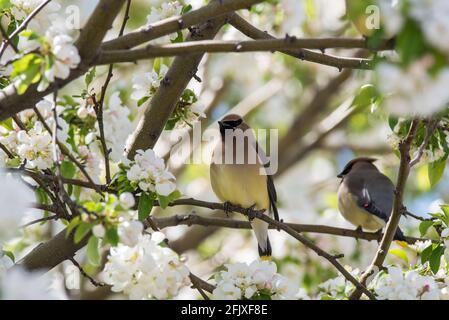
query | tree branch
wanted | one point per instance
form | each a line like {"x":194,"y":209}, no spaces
{"x":193,"y":219}
{"x":326,"y":59}
{"x":88,"y":43}
{"x":161,"y":28}
{"x":22,"y":27}
{"x":183,"y":48}
{"x":167,"y":95}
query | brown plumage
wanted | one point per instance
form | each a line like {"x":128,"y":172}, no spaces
{"x":242,"y":179}
{"x":365,"y":195}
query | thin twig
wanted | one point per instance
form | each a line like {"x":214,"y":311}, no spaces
{"x":431,"y":127}
{"x":44,"y":219}
{"x":220,"y":46}
{"x":308,"y":55}
{"x":23,"y":25}
{"x":67,"y":153}
{"x":84,"y":273}
{"x":7,"y":39}
{"x":194,"y":219}
{"x":201,"y":285}
{"x":6,"y":150}
{"x":99,"y":106}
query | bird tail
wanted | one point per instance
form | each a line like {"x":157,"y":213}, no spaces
{"x":261,"y":231}
{"x":265,"y":254}
{"x":400,"y":238}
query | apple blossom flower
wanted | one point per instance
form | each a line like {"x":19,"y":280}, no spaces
{"x":166,"y":10}
{"x":413,"y":92}
{"x":243,"y":281}
{"x":145,"y":85}
{"x":408,"y":285}
{"x":146,"y":270}
{"x":35,"y":146}
{"x":117,"y":126}
{"x":149,"y":172}
{"x":127,"y":200}
{"x":129,"y":232}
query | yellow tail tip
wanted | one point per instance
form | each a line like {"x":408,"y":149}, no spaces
{"x":265,"y":258}
{"x":403,"y":244}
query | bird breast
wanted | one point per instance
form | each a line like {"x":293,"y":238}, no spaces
{"x":353,"y":213}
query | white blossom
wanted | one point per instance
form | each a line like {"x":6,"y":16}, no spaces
{"x":129,"y":232}
{"x":150,"y":173}
{"x":432,"y":16}
{"x":144,"y":85}
{"x":99,"y":231}
{"x":146,"y":270}
{"x":391,"y":17}
{"x":243,"y":281}
{"x":408,"y":285}
{"x":127,"y":200}
{"x":66,"y":58}
{"x":23,"y":8}
{"x":35,"y":146}
{"x":413,"y":92}
{"x":117,"y":126}
{"x":166,"y":10}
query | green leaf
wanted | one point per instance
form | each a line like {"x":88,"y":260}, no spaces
{"x":426,"y":253}
{"x":7,"y":124}
{"x":435,"y":258}
{"x":142,"y":101}
{"x":27,"y":70}
{"x":186,"y":8}
{"x":68,"y":169}
{"x":30,"y":34}
{"x":90,"y":76}
{"x":10,"y":255}
{"x":145,"y":205}
{"x":93,"y":252}
{"x":179,"y":38}
{"x":72,"y":225}
{"x":424,"y":226}
{"x":5,"y":4}
{"x":82,"y":231}
{"x":400,"y":254}
{"x":365,"y":96}
{"x":164,"y":201}
{"x":435,"y":171}
{"x":111,"y":236}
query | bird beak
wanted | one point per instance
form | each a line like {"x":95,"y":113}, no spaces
{"x":340,"y":176}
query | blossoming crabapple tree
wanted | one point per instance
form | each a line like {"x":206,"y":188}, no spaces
{"x":67,"y":113}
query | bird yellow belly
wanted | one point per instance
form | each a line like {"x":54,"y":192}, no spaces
{"x":240,"y":184}
{"x":356,"y":215}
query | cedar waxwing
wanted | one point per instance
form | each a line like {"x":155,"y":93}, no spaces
{"x":365,"y":196}
{"x":240,"y":181}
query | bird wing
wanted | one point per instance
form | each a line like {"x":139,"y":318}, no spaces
{"x":270,"y":184}
{"x":374,"y":194}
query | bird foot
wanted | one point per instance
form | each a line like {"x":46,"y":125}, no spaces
{"x":251,"y":213}
{"x":359,"y":229}
{"x":227,"y":208}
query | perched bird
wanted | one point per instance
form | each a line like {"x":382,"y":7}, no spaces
{"x":365,"y":196}
{"x":240,"y":181}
